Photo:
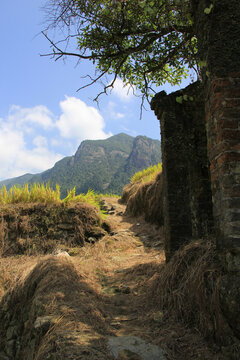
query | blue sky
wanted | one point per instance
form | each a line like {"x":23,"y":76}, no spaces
{"x":42,"y":116}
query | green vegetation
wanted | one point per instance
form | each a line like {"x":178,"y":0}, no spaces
{"x":29,"y":194}
{"x":110,"y":195}
{"x":146,"y":175}
{"x":43,"y":193}
{"x":145,"y":42}
{"x":90,"y":197}
{"x":102,"y":165}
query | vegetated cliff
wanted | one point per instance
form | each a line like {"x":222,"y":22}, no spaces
{"x":101,"y":165}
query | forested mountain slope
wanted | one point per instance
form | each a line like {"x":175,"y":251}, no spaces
{"x":101,"y":165}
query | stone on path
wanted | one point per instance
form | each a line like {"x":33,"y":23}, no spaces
{"x":134,"y":348}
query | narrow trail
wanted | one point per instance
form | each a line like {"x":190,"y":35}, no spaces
{"x":98,"y":304}
{"x":121,"y":266}
{"x":140,"y":247}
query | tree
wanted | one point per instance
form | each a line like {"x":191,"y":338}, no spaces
{"x":149,"y":42}
{"x":145,"y":42}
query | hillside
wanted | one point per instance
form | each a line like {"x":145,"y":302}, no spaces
{"x":102,"y":165}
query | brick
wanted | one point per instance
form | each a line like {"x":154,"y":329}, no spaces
{"x":231,"y":203}
{"x":234,"y":228}
{"x":228,"y":157}
{"x":226,"y":123}
{"x":232,"y":103}
{"x":230,"y":179}
{"x":232,"y":92}
{"x":234,"y":74}
{"x":232,"y":191}
{"x":228,"y":134}
{"x":230,"y":113}
{"x":217,"y":105}
{"x":233,"y":215}
{"x":219,"y":83}
{"x":229,"y":169}
{"x":217,"y":149}
{"x":234,"y":241}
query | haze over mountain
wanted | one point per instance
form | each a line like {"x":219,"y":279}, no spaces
{"x":102,"y":165}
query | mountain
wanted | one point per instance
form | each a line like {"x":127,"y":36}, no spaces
{"x":20,"y":180}
{"x":101,"y":165}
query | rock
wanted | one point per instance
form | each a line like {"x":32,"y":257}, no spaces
{"x":134,"y":348}
{"x":61,"y":253}
{"x":125,"y":289}
{"x":91,"y":240}
{"x":43,"y":323}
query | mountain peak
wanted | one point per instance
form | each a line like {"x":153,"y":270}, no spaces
{"x":102,"y":165}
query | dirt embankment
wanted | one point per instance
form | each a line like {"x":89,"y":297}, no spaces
{"x":69,"y":307}
{"x":145,"y":199}
{"x":39,"y":228}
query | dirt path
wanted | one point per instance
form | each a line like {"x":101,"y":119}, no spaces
{"x":99,"y":297}
{"x":120,"y":268}
{"x":139,"y":249}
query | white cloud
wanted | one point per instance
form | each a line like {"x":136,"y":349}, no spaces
{"x":79,"y":121}
{"x":40,"y":141}
{"x":33,"y":139}
{"x":38,"y":115}
{"x":119,"y":115}
{"x":123,"y":92}
{"x":111,"y":111}
{"x":18,"y":155}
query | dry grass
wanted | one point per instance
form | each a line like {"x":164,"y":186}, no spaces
{"x":146,"y":175}
{"x":166,"y":304}
{"x":3,"y":232}
{"x":41,"y":228}
{"x":55,"y":288}
{"x":187,"y":288}
{"x":13,"y":269}
{"x":145,"y":198}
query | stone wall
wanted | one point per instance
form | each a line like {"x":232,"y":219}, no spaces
{"x":186,"y":180}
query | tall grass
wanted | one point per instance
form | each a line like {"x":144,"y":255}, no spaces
{"x":29,"y":194}
{"x":147,"y":175}
{"x":43,"y":193}
{"x":90,"y":197}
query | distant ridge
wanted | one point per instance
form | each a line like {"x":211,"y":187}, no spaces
{"x":102,"y":165}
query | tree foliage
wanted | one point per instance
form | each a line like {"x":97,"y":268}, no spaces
{"x":144,"y":42}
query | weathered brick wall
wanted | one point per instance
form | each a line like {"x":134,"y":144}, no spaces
{"x":186,"y":180}
{"x":219,"y":47}
{"x":223,"y":127}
